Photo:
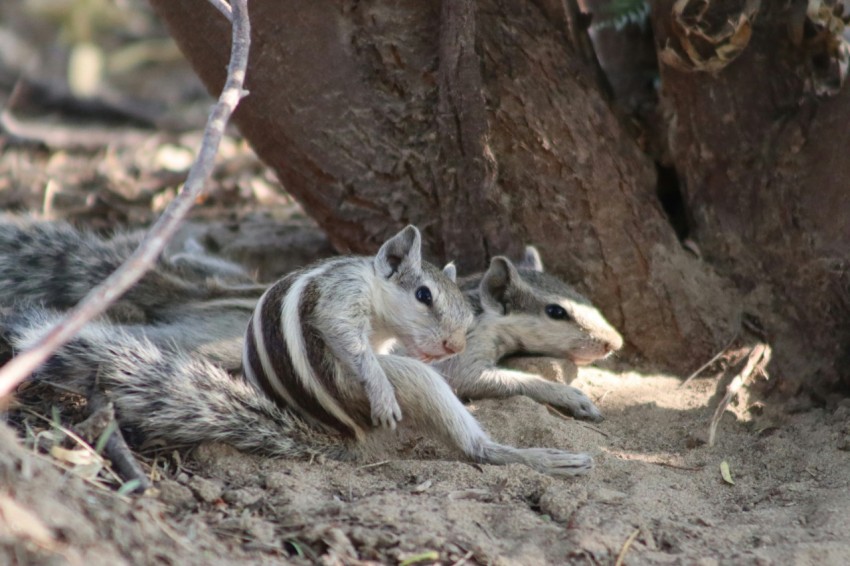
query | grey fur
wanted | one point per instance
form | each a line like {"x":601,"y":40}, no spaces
{"x":55,"y":265}
{"x":166,"y":372}
{"x":510,"y":307}
{"x":167,"y":394}
{"x":360,"y":306}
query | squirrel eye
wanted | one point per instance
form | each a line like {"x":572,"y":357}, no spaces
{"x":556,"y":312}
{"x":423,"y":295}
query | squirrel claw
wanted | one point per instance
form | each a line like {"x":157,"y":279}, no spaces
{"x":386,"y":414}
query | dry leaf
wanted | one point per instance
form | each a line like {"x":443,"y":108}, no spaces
{"x":85,"y":69}
{"x":84,"y":463}
{"x":704,"y":40}
{"x":78,"y":457}
{"x":726,"y":473}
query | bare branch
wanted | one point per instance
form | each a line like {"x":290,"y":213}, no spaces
{"x":757,"y":359}
{"x":61,"y":136}
{"x":713,"y":359}
{"x":224,"y":8}
{"x":97,"y":301}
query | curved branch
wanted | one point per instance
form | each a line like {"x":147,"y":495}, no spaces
{"x":99,"y":298}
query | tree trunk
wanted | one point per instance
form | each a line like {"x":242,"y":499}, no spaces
{"x":764,"y":167}
{"x":476,"y":122}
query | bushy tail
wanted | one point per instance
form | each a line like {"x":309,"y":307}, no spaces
{"x":55,"y":265}
{"x":166,"y":394}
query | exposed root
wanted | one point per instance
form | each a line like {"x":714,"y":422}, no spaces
{"x":757,"y":359}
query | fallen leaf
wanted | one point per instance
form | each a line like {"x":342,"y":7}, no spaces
{"x":73,"y":457}
{"x":726,"y":472}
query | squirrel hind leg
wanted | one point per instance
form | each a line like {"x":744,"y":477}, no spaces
{"x":428,"y":403}
{"x":549,"y":461}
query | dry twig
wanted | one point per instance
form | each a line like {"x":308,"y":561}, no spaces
{"x":116,"y":449}
{"x":374,"y":464}
{"x":79,"y":441}
{"x":756,"y":361}
{"x":552,"y":410}
{"x":99,"y":298}
{"x":69,"y":135}
{"x":622,"y":556}
{"x":224,"y":8}
{"x":464,"y":559}
{"x":70,"y":470}
{"x":714,"y":358}
{"x":63,"y":136}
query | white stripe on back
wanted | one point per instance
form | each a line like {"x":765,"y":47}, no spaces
{"x":270,"y":375}
{"x":291,"y":321}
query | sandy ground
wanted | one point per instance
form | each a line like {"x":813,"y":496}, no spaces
{"x":656,"y":484}
{"x":656,"y":496}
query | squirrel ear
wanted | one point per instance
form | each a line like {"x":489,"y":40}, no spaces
{"x":450,"y":271}
{"x":531,"y":260}
{"x":495,"y":284}
{"x":402,"y":250}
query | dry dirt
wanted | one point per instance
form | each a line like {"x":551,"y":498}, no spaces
{"x":654,"y":482}
{"x":656,"y":496}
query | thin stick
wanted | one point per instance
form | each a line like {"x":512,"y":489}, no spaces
{"x":622,"y":556}
{"x":464,"y":559}
{"x":758,"y":358}
{"x":552,"y":410}
{"x":123,"y":460}
{"x":79,"y":440}
{"x":71,"y":472}
{"x":374,"y":465}
{"x":661,"y":463}
{"x":224,"y":8}
{"x":61,"y":136}
{"x":714,"y":358}
{"x":154,"y":243}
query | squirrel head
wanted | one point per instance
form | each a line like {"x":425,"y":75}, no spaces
{"x":417,"y":303}
{"x":549,"y":316}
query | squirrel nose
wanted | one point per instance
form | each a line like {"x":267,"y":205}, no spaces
{"x":454,"y":346}
{"x":614,"y":342}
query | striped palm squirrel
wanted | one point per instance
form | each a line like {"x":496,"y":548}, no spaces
{"x":521,"y":310}
{"x":303,"y":346}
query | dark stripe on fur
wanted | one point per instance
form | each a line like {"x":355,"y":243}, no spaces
{"x":256,"y":366}
{"x":277,"y":351}
{"x":320,"y":360}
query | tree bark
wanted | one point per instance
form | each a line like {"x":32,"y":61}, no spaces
{"x":469,"y":167}
{"x":476,"y":122}
{"x":764,"y":166}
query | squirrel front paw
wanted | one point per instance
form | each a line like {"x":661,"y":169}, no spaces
{"x":574,"y":402}
{"x":385,"y":409}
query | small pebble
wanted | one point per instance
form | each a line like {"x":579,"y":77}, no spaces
{"x":279,"y":481}
{"x":172,"y":493}
{"x":243,"y":497}
{"x":608,"y":495}
{"x":208,"y":491}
